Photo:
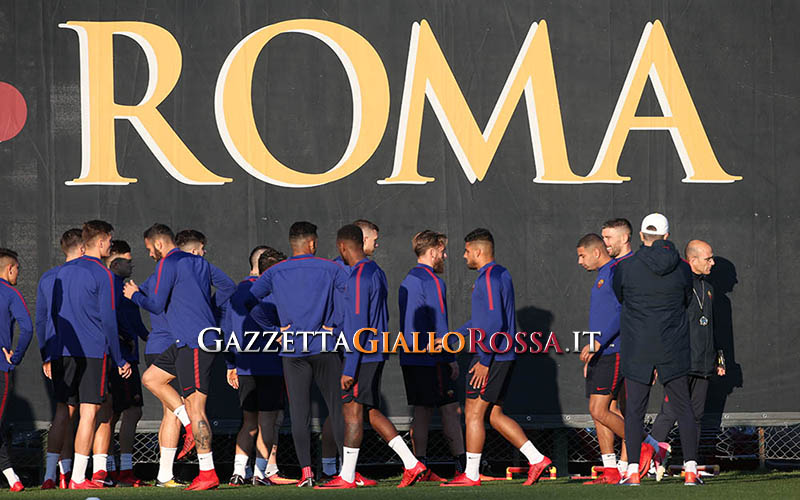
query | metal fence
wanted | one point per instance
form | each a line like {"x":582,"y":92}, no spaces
{"x":563,"y":444}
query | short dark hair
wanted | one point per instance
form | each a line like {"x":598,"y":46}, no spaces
{"x":365,"y":224}
{"x":269,"y":258}
{"x":615,"y":223}
{"x":159,"y":230}
{"x":301,"y":230}
{"x":351,"y":233}
{"x":71,"y":239}
{"x":426,"y":239}
{"x":480,"y":234}
{"x":8,"y":254}
{"x":190,"y":236}
{"x":591,"y":240}
{"x":258,"y":250}
{"x":94,"y":228}
{"x":119,"y":247}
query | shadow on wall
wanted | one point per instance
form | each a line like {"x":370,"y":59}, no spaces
{"x":534,"y":384}
{"x":723,"y":278}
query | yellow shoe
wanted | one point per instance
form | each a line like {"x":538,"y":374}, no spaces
{"x":172,"y":483}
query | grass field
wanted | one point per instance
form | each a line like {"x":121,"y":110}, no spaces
{"x":726,"y":486}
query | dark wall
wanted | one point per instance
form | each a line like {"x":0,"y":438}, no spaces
{"x":739,"y":60}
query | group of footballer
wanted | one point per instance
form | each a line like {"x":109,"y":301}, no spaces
{"x":88,"y":324}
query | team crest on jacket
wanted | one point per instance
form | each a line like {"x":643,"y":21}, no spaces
{"x":600,"y":283}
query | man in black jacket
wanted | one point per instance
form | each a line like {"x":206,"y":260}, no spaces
{"x":700,"y":315}
{"x":654,"y":286}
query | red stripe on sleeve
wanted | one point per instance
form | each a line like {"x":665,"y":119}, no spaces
{"x":489,"y":287}
{"x":110,"y":279}
{"x":20,"y":297}
{"x":438,"y":288}
{"x":358,"y":289}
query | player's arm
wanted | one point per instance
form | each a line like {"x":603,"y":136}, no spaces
{"x":223,"y":284}
{"x":156,"y":302}
{"x":260,"y":289}
{"x":488,"y":316}
{"x":131,"y":321}
{"x":440,"y":322}
{"x":42,"y":322}
{"x":108,"y":320}
{"x":19,"y":310}
{"x":358,"y":319}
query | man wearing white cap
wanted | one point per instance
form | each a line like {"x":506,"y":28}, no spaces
{"x":654,"y":287}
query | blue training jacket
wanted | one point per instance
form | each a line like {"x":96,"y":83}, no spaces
{"x":129,"y":321}
{"x":493,"y":311}
{"x":304,"y":289}
{"x":86,"y":310}
{"x":161,"y":336}
{"x":262,"y":318}
{"x":49,"y":346}
{"x":183,"y":291}
{"x":605,"y":310}
{"x":423,"y":309}
{"x":364,"y":307}
{"x":13,"y":309}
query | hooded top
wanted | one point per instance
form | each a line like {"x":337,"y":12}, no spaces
{"x":654,"y":286}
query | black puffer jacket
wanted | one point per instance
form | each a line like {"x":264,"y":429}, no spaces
{"x":654,"y":287}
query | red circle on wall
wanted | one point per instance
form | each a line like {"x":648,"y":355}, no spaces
{"x":13,"y":111}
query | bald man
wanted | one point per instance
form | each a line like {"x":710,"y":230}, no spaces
{"x":700,"y":257}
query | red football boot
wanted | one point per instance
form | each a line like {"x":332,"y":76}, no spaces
{"x":411,"y":476}
{"x":188,"y":443}
{"x":205,"y":480}
{"x":610,"y":475}
{"x":645,"y":457}
{"x":102,"y":479}
{"x":363,"y":481}
{"x":337,"y":483}
{"x":17,"y":487}
{"x":630,"y":480}
{"x":461,"y":480}
{"x":49,"y":485}
{"x":127,"y":479}
{"x":691,"y":479}
{"x":432,"y":477}
{"x":536,"y":470}
{"x":86,"y":484}
{"x":63,"y":481}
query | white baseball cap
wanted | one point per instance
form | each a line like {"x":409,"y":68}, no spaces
{"x":657,"y":221}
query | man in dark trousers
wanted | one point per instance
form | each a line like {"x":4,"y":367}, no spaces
{"x":654,"y":286}
{"x":700,"y":257}
{"x":304,"y":288}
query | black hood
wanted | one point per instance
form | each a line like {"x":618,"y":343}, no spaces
{"x":661,"y":258}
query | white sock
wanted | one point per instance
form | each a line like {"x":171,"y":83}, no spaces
{"x":79,"y":468}
{"x":165,"y":464}
{"x":182,"y":415}
{"x":651,"y":441}
{"x":401,"y":448}
{"x":260,"y":470}
{"x":609,"y":460}
{"x":622,"y":466}
{"x":111,"y":464}
{"x":531,"y":453}
{"x":271,"y":470}
{"x":239,"y":465}
{"x":349,"y":461}
{"x":51,"y":466}
{"x":633,"y":469}
{"x":329,"y":466}
{"x":473,"y":466}
{"x":65,"y":464}
{"x":99,"y":462}
{"x":206,"y":461}
{"x":11,"y":476}
{"x":690,"y":466}
{"x":125,"y":461}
